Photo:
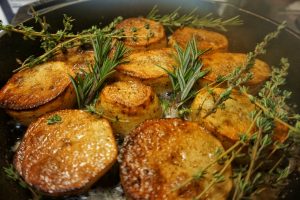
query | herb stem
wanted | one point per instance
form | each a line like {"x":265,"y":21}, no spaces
{"x":215,"y":180}
{"x":253,"y":155}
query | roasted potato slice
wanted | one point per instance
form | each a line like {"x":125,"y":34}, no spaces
{"x":146,"y":66}
{"x":234,"y":119}
{"x":160,"y":155}
{"x":205,"y":39}
{"x":32,"y":92}
{"x":143,"y":34}
{"x":222,"y":64}
{"x":225,"y":123}
{"x":66,"y":157}
{"x":127,"y":104}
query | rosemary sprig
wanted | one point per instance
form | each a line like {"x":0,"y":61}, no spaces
{"x":186,"y":74}
{"x":12,"y":174}
{"x":174,"y":19}
{"x":88,"y":83}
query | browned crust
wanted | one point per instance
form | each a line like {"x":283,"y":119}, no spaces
{"x":66,"y":157}
{"x":161,"y":154}
{"x":144,"y":40}
{"x":205,"y":39}
{"x":131,"y":97}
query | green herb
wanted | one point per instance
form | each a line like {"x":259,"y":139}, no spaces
{"x":186,"y":74}
{"x":54,"y":119}
{"x":242,"y":74}
{"x":12,"y":174}
{"x":251,"y":178}
{"x":147,"y":26}
{"x":174,"y":19}
{"x":134,"y":29}
{"x":54,"y":43}
{"x":88,"y":83}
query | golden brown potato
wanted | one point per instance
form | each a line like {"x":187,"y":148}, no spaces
{"x":128,"y":104}
{"x":205,"y":39}
{"x":222,"y":64}
{"x":66,"y":157}
{"x":160,"y":155}
{"x":146,"y":67}
{"x":32,"y":92}
{"x":225,"y":123}
{"x":143,"y":34}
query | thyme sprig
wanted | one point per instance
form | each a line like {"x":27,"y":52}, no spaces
{"x":174,"y":19}
{"x":61,"y":40}
{"x":186,"y":74}
{"x":12,"y":174}
{"x":264,"y":146}
{"x":242,"y":74}
{"x":88,"y":82}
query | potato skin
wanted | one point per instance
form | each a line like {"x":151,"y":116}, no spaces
{"x":149,"y":34}
{"x":146,"y":67}
{"x":127,"y":104}
{"x":221,"y":64}
{"x":205,"y":39}
{"x":66,"y":157}
{"x":161,"y":154}
{"x":32,"y":92}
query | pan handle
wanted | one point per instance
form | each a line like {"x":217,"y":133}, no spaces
{"x":25,"y":12}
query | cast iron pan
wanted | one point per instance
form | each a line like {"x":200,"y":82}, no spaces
{"x":87,"y":13}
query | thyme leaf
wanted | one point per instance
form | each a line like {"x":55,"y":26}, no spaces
{"x":54,"y":119}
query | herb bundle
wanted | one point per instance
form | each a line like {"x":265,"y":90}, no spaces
{"x":252,"y":177}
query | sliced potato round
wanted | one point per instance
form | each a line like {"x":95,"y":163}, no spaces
{"x":68,"y":156}
{"x":146,"y":66}
{"x":205,"y":39}
{"x":127,"y":104}
{"x":160,"y":155}
{"x":143,"y":34}
{"x":228,"y":123}
{"x":222,"y":64}
{"x":32,"y":92}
